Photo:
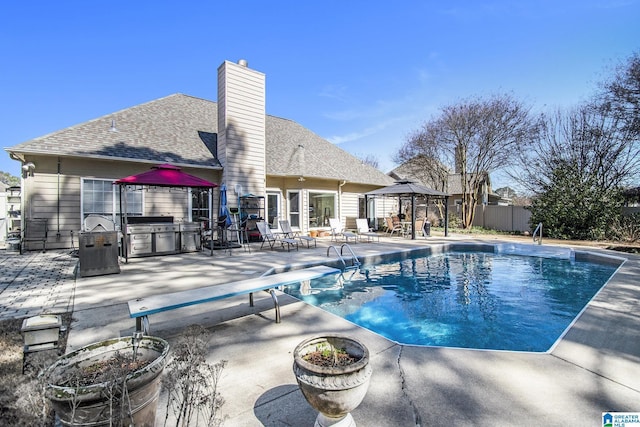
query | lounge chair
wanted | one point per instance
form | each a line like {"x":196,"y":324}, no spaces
{"x":364,"y":231}
{"x":289,"y":233}
{"x":270,"y":238}
{"x":337,"y":230}
{"x":393,"y":227}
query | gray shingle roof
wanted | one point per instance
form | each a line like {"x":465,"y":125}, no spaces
{"x":317,"y":158}
{"x":176,"y":129}
{"x":182,"y":130}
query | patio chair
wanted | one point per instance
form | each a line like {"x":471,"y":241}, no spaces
{"x":291,"y":234}
{"x":337,"y":230}
{"x":364,"y":231}
{"x":393,"y":227}
{"x":270,"y":238}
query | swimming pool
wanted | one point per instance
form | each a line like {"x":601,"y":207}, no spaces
{"x":483,"y":299}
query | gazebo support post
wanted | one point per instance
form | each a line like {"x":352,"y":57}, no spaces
{"x":413,"y":216}
{"x":446,"y":216}
{"x":211,"y":220}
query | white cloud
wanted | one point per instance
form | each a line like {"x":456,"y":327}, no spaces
{"x":334,"y":92}
{"x":368,"y":131}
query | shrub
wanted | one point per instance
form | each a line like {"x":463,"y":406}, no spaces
{"x":625,"y":228}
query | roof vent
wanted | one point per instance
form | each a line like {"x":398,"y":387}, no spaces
{"x":243,"y":63}
{"x":113,"y":127}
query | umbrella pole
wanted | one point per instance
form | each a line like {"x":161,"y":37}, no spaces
{"x":211,"y":221}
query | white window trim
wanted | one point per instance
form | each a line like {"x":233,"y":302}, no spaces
{"x":335,"y":206}
{"x":115,"y":192}
{"x":278,"y":193}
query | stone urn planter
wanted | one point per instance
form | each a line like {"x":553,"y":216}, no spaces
{"x":333,"y":388}
{"x":111,"y":382}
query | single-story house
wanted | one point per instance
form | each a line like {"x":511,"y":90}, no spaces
{"x":293,"y":173}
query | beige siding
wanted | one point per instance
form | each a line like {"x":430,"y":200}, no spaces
{"x":347,"y":196}
{"x":349,"y":210}
{"x":241,"y":127}
{"x":64,"y":217}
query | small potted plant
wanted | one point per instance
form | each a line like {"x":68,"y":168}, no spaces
{"x":333,"y":373}
{"x":111,"y":382}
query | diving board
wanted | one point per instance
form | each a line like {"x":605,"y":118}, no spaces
{"x":141,"y":308}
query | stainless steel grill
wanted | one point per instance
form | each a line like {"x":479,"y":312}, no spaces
{"x":98,"y":253}
{"x":164,"y":238}
{"x":140,"y":241}
{"x":190,"y":237}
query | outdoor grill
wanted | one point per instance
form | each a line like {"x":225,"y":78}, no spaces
{"x":139,"y":239}
{"x":164,"y":238}
{"x":190,"y":237}
{"x":98,"y":247}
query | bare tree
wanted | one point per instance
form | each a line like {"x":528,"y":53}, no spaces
{"x":620,"y":95}
{"x":369,"y":159}
{"x":595,"y":141}
{"x":474,"y":137}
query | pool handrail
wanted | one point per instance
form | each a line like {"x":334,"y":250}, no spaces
{"x":538,"y":228}
{"x":355,"y":261}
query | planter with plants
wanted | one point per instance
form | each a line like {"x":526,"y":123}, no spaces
{"x":333,"y":373}
{"x":109,"y":383}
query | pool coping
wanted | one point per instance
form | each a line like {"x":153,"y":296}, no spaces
{"x":588,"y":255}
{"x":595,"y":367}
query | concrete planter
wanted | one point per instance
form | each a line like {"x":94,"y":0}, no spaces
{"x":336,"y":390}
{"x":96,"y":404}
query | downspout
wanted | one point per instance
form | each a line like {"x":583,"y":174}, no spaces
{"x":339,"y":216}
{"x":58,"y":199}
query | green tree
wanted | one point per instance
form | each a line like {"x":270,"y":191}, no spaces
{"x":9,"y":179}
{"x":584,"y":157}
{"x":571,"y":207}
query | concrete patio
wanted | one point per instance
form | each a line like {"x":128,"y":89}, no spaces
{"x":595,"y":368}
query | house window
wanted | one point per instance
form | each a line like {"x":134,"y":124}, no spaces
{"x":294,"y":208}
{"x":362,"y":208}
{"x":100,"y":197}
{"x":273,"y":203}
{"x":200,"y":204}
{"x":322,"y":206}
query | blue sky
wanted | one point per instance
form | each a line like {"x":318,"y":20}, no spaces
{"x":362,"y":74}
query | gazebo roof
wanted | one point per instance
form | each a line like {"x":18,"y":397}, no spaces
{"x":166,"y":175}
{"x":406,"y":188}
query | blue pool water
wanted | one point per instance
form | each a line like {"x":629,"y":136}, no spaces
{"x":463,"y":299}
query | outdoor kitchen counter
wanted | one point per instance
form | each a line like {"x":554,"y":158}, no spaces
{"x":162,"y":238}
